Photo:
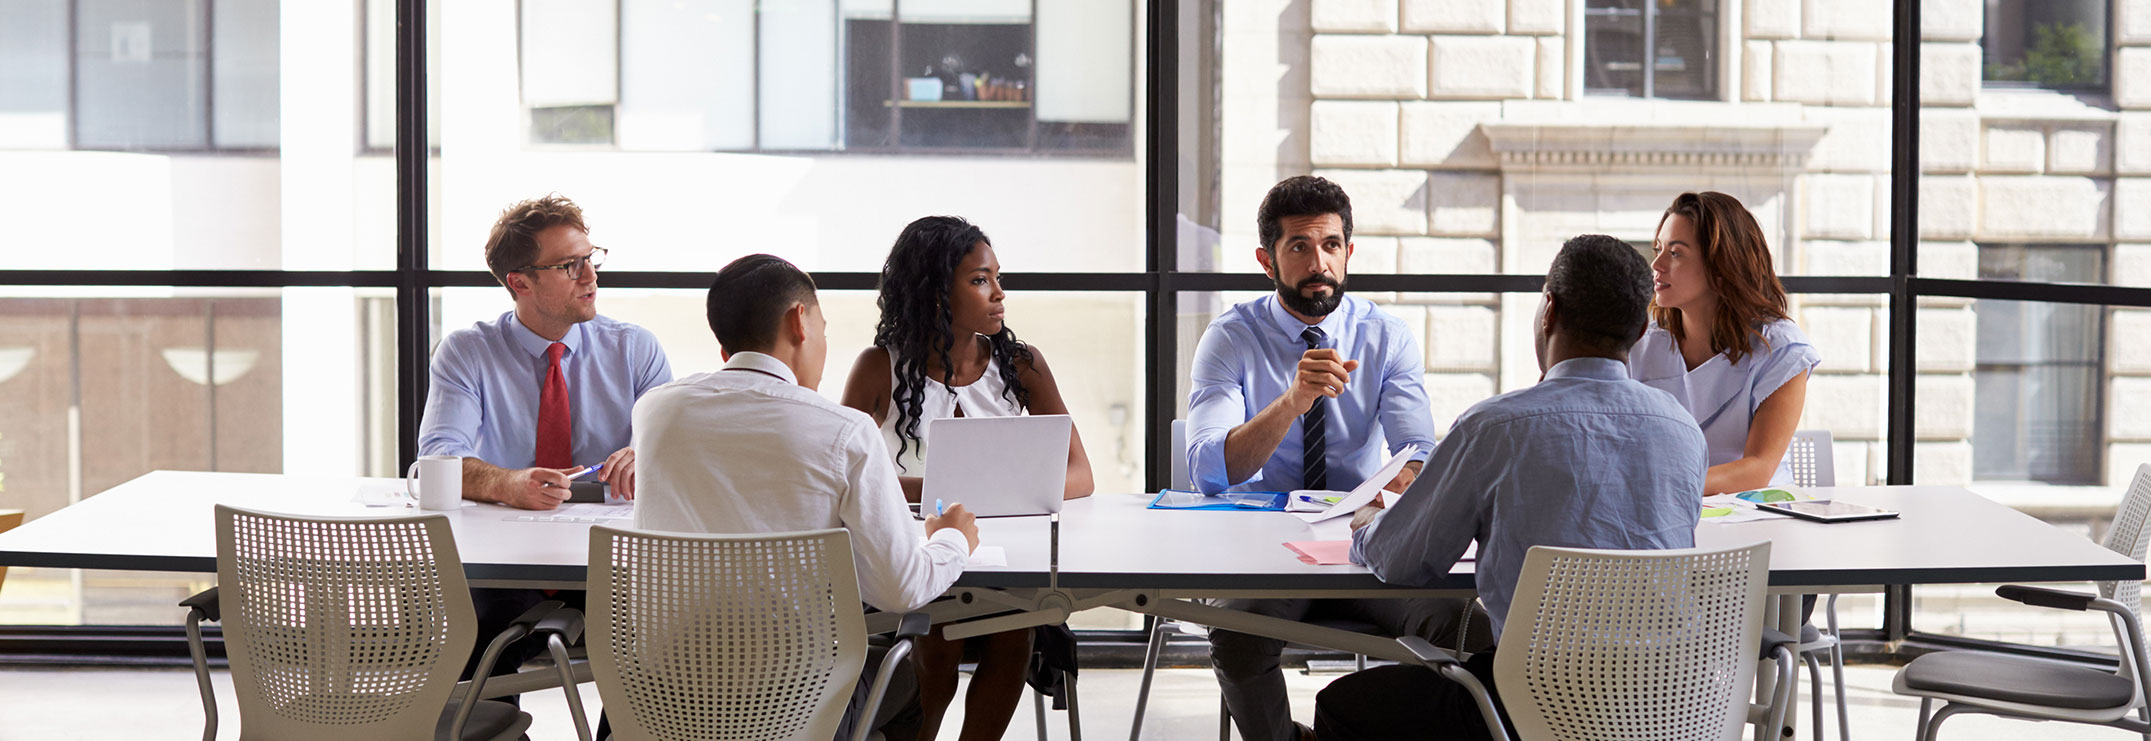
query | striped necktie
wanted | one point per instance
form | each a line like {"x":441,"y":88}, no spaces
{"x":1313,"y":461}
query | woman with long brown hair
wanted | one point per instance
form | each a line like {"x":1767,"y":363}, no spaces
{"x":1721,"y":342}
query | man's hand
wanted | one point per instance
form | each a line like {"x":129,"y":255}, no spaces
{"x":1404,"y":478}
{"x":955,"y":517}
{"x":619,"y":473}
{"x":527,"y":489}
{"x":1366,"y":514}
{"x":1322,"y":373}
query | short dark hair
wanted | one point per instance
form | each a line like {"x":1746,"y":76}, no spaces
{"x":1602,"y":291}
{"x":1300,"y":195}
{"x":513,"y":243}
{"x":748,"y":300}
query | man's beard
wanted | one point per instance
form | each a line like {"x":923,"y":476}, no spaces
{"x":1318,"y":306}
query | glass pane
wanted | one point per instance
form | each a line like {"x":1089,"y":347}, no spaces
{"x":33,"y":75}
{"x":2055,"y":44}
{"x":788,"y":129}
{"x":169,"y":150}
{"x":1613,"y":47}
{"x":99,"y":386}
{"x":1093,"y":341}
{"x":2025,"y":403}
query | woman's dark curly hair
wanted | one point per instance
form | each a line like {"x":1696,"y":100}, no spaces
{"x":915,"y":320}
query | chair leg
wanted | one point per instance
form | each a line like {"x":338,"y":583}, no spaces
{"x":1224,"y":720}
{"x":201,"y":675}
{"x":566,"y":668}
{"x":1038,"y":712}
{"x":1151,"y":654}
{"x":1926,"y":716}
{"x":1075,"y":715}
{"x":1935,"y":725}
{"x":1837,"y":672}
{"x":1814,"y":691}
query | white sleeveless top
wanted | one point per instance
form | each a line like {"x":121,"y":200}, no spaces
{"x":986,"y":397}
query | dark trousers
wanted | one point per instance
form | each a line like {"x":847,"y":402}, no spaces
{"x":1406,"y":702}
{"x":1250,"y":670}
{"x":899,"y":716}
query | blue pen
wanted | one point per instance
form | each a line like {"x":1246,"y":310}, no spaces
{"x":587,"y":471}
{"x":938,"y":509}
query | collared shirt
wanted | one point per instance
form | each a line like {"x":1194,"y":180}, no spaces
{"x":1584,"y":459}
{"x":1251,"y":354}
{"x":483,"y":402}
{"x":748,"y":450}
{"x":1723,"y":395}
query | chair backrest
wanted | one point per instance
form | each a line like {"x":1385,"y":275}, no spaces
{"x":1811,"y":459}
{"x":1181,"y":478}
{"x":341,"y":627}
{"x":2127,"y":536}
{"x":1641,"y":645}
{"x":693,"y":636}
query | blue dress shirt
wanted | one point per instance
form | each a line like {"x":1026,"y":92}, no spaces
{"x":1585,"y":459}
{"x":484,"y":399}
{"x":1250,"y":355}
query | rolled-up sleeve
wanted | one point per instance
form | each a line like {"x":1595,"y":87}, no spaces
{"x":900,"y":569}
{"x":453,"y":410}
{"x":1216,"y":404}
{"x":1424,"y":531}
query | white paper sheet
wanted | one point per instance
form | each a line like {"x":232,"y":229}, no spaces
{"x":989,"y":555}
{"x":582,"y":512}
{"x":1366,"y":491}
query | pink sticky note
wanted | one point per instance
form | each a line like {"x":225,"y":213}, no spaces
{"x":1322,"y":552}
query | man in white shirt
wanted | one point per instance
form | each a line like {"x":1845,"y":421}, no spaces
{"x":752,"y":448}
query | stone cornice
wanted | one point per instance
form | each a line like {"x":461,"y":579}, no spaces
{"x":1618,"y":147}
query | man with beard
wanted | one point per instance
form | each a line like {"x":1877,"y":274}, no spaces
{"x":1306,"y":389}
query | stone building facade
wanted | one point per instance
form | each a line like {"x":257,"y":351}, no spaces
{"x":1471,"y":140}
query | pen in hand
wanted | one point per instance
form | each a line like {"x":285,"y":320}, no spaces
{"x":585,"y":472}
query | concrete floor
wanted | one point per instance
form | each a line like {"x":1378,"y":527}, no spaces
{"x":161,"y":703}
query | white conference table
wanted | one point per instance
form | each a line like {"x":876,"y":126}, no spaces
{"x":1111,"y":551}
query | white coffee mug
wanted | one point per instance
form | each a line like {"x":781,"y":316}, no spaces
{"x":439,"y":479}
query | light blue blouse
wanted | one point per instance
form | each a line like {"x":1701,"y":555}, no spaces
{"x":1723,"y":395}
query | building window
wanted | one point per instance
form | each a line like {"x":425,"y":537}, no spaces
{"x":2052,"y":44}
{"x":1651,"y":48}
{"x":187,"y":75}
{"x":2037,"y":378}
{"x":964,"y":76}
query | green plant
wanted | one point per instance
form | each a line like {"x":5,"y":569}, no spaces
{"x":2061,"y":55}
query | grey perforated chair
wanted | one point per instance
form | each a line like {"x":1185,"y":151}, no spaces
{"x":1629,"y":646}
{"x":2036,"y":689}
{"x":1814,"y":464}
{"x":756,"y":636}
{"x":352,"y":628}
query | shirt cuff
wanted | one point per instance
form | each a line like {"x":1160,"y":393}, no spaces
{"x":955,"y":540}
{"x":1420,"y":453}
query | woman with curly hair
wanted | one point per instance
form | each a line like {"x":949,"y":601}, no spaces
{"x":1720,"y":340}
{"x":941,"y":350}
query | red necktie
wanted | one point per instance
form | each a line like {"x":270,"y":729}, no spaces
{"x":553,"y":449}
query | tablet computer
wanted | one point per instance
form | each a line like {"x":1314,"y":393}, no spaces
{"x":1826,"y":511}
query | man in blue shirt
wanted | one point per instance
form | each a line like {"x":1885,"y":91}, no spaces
{"x":546,"y":389}
{"x":1585,"y":459}
{"x":538,"y":394}
{"x":1306,"y":389}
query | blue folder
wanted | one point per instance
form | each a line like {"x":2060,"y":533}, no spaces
{"x":1240,"y":501}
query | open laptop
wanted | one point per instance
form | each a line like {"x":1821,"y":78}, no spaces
{"x":997,"y":466}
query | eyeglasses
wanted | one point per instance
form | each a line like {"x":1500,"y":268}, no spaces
{"x":574,"y":268}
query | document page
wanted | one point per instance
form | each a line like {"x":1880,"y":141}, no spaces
{"x":1366,"y":491}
